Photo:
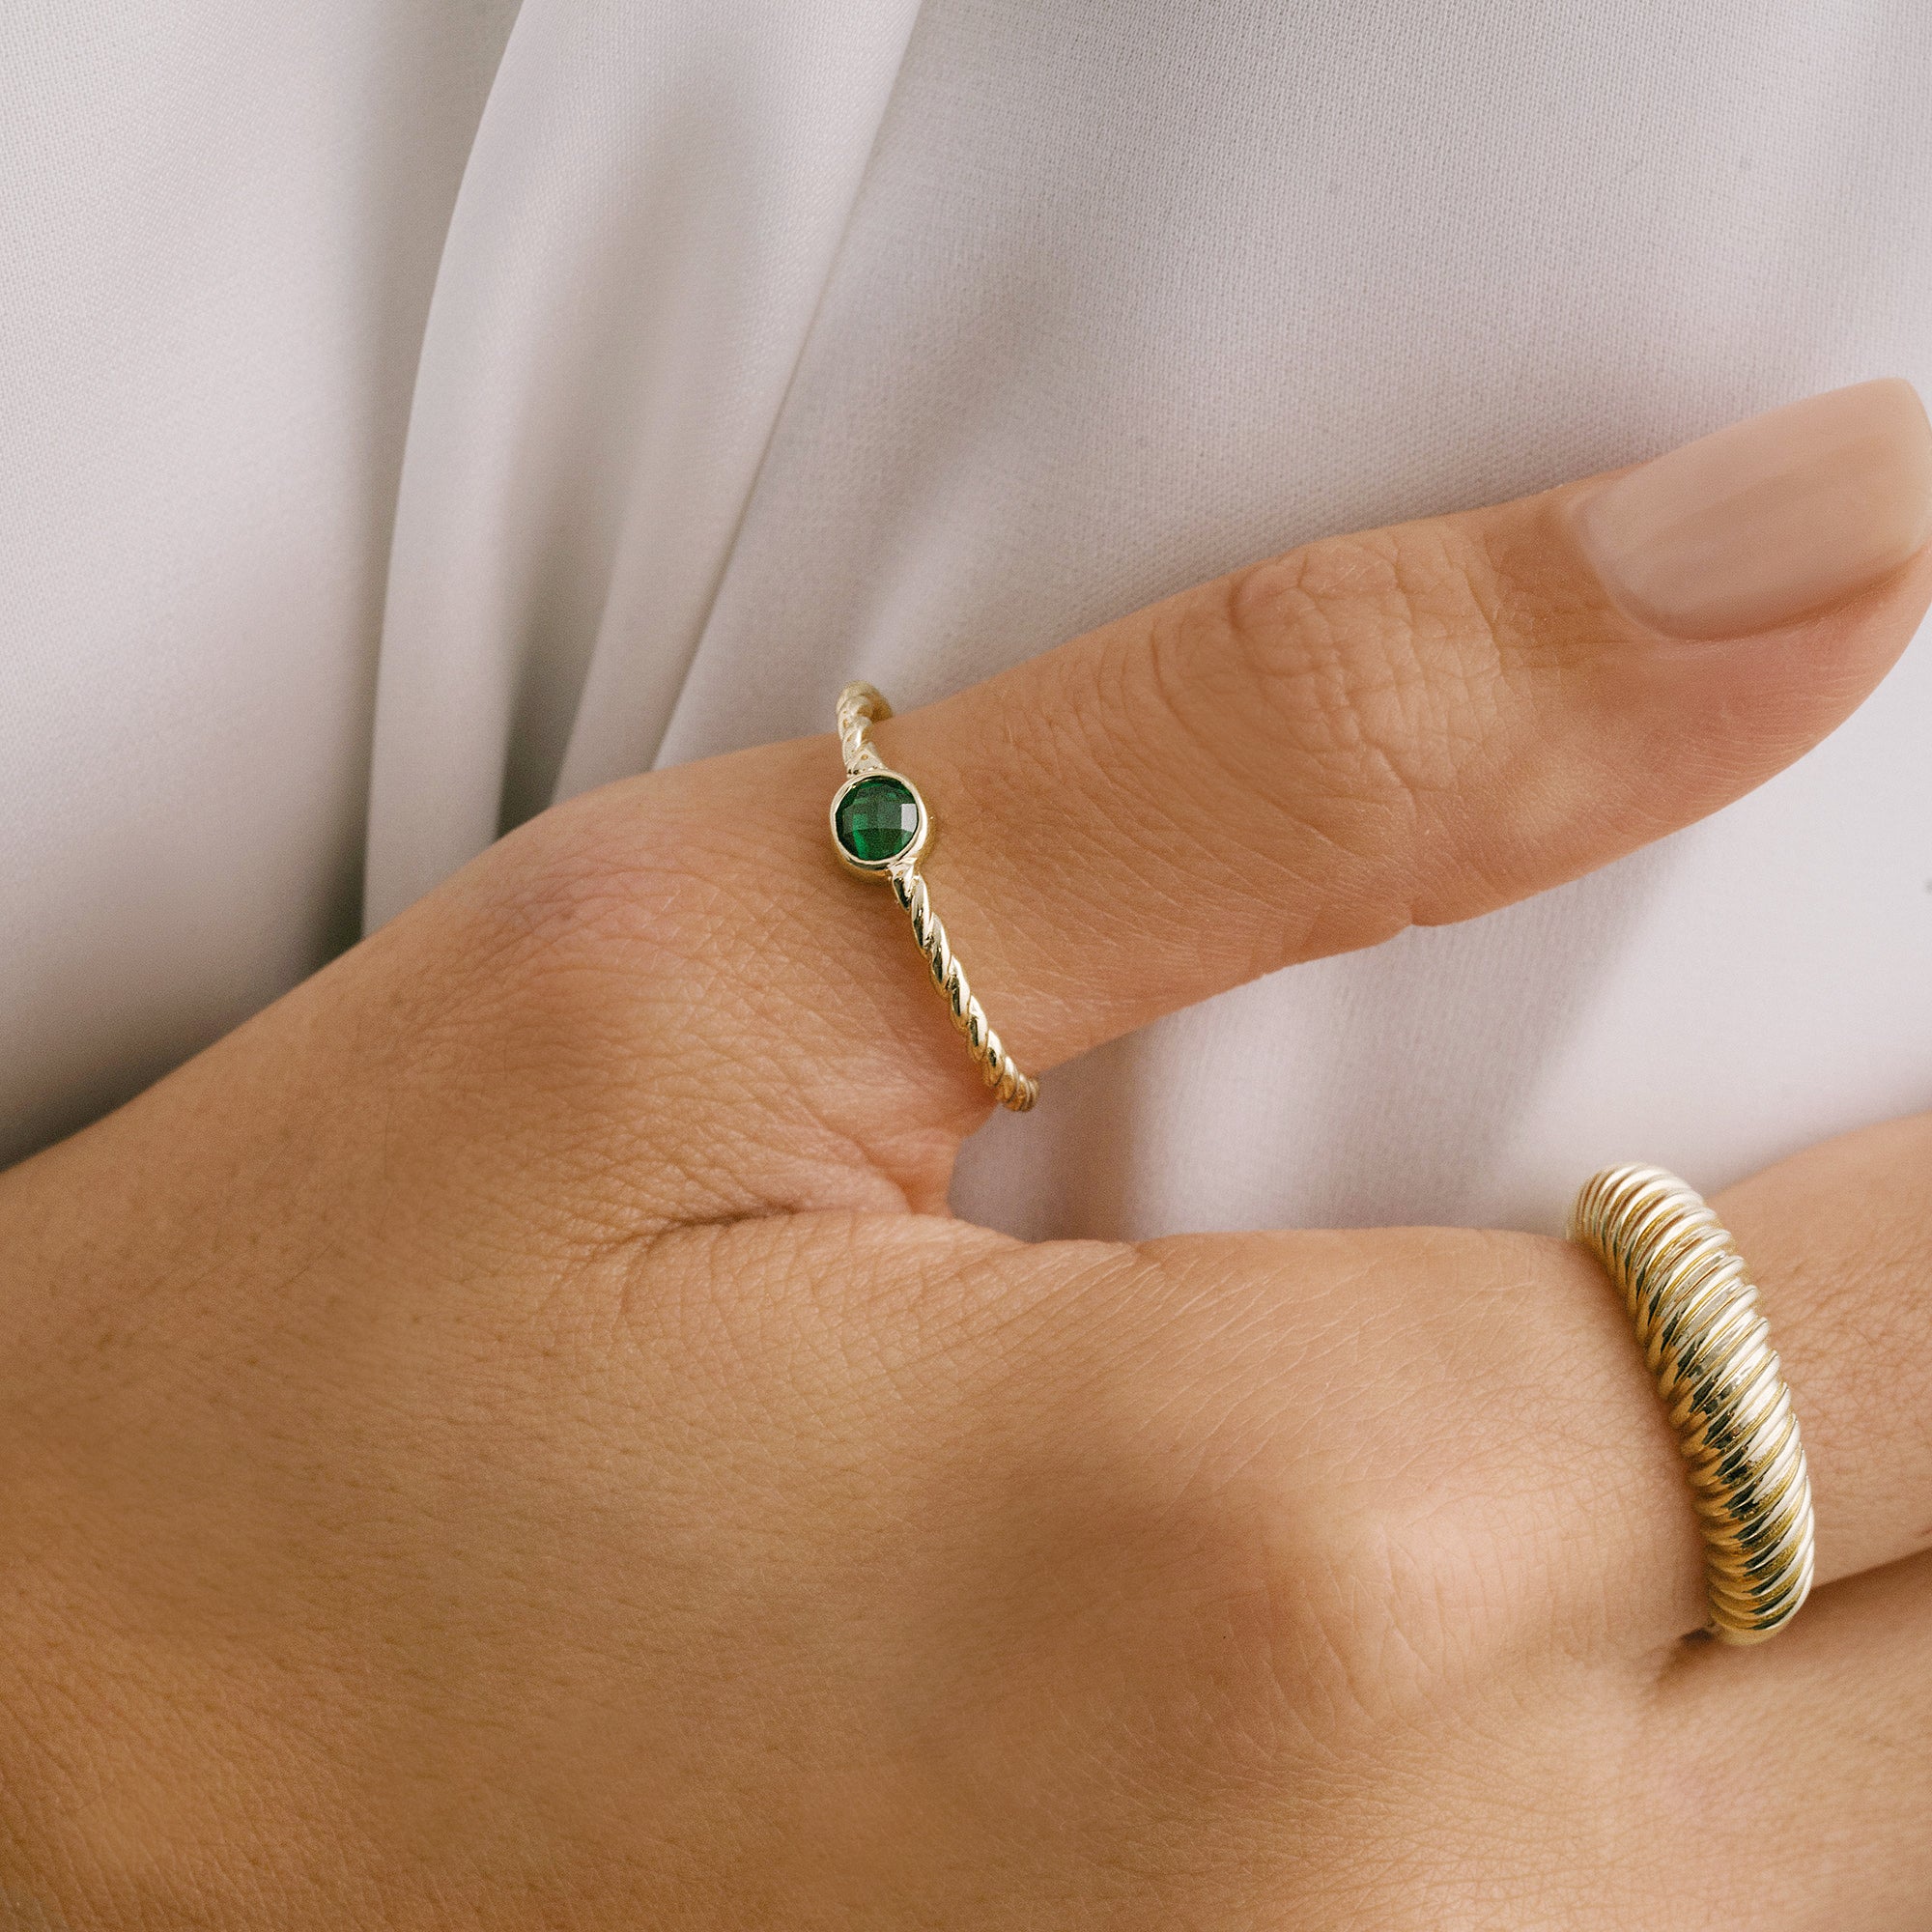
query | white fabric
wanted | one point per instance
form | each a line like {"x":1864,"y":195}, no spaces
{"x":779,"y":341}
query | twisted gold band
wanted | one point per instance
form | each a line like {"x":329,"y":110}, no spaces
{"x":1694,"y":1308}
{"x":880,"y":828}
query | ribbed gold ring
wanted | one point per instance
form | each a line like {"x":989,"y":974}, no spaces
{"x":1695,"y":1312}
{"x":880,"y":830}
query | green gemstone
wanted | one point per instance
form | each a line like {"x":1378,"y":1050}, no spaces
{"x":878,"y":818}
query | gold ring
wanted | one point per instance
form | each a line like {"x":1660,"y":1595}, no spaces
{"x":880,"y":829}
{"x":1694,"y":1308}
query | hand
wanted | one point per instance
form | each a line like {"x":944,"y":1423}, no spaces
{"x":511,"y":1438}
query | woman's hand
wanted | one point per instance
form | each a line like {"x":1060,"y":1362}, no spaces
{"x":511,"y":1438}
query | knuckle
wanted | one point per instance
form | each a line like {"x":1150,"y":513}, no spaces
{"x":613,"y":964}
{"x":1201,"y":1497}
{"x":600,"y":903}
{"x":573,"y":949}
{"x":1386,"y":655}
{"x":572,"y":1091}
{"x":1337,"y":1593}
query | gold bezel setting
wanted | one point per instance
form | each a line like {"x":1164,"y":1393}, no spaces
{"x":908,"y":854}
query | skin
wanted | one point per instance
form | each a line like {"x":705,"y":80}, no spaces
{"x":511,"y":1438}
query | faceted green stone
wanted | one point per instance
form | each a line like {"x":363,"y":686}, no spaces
{"x":877,"y":819}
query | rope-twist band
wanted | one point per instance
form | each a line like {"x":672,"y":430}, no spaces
{"x":860,"y":708}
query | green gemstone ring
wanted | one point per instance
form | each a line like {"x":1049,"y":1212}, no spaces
{"x":880,"y":829}
{"x":877,"y":818}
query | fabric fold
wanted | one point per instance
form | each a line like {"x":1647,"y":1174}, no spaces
{"x":652,"y":207}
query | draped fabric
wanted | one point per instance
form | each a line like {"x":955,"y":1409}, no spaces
{"x":407,"y":417}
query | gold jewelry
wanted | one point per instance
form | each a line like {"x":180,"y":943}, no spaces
{"x":1694,"y":1308}
{"x":880,"y":828}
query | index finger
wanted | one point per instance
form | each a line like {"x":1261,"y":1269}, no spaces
{"x":1417,"y":724}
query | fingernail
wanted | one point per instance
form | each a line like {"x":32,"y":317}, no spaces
{"x":1770,"y":518}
